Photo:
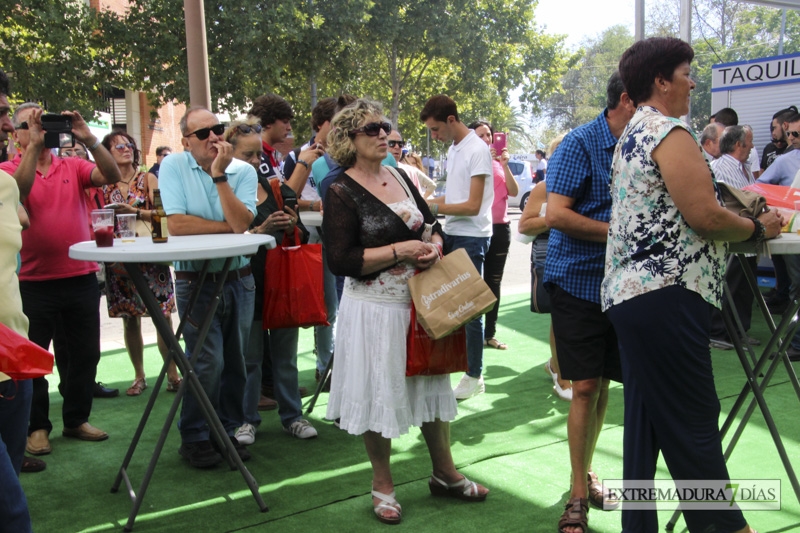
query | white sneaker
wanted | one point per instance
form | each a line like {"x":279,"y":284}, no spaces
{"x":246,"y":435}
{"x":302,"y":429}
{"x":469,"y":387}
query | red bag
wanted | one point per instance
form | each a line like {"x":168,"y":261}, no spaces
{"x":21,"y":358}
{"x":294,"y":294}
{"x":428,"y":357}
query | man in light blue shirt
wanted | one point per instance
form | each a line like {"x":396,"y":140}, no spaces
{"x":206,"y":191}
{"x":785,"y":168}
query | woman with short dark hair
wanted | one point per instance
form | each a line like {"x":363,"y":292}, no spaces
{"x":665,"y":266}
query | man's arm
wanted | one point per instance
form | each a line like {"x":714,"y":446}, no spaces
{"x":236,"y":214}
{"x":562,"y":217}
{"x":106,"y":172}
{"x":297,"y":181}
{"x":471,"y":207}
{"x":192,"y":225}
{"x":25,"y":175}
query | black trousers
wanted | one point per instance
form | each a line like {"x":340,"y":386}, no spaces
{"x":671,"y":403}
{"x":493,"y":267}
{"x":75,"y":302}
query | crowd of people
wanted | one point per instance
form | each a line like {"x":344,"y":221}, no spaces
{"x":631,"y":192}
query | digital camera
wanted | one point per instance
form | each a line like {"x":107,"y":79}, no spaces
{"x":57,"y":131}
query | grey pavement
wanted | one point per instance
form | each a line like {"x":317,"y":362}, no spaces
{"x":516,"y":280}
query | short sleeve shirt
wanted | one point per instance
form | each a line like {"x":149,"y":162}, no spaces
{"x":580,"y":168}
{"x":466,"y":160}
{"x":56,"y":206}
{"x":186,"y":189}
{"x":650,"y":245}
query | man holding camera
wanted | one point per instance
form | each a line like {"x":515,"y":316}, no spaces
{"x":53,"y":286}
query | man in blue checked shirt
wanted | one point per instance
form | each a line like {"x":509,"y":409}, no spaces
{"x":578,"y":210}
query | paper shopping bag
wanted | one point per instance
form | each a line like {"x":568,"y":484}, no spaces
{"x":21,"y":358}
{"x":293,"y":286}
{"x":450,"y":294}
{"x":428,"y":357}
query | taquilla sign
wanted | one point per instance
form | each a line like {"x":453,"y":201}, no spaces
{"x":756,"y":72}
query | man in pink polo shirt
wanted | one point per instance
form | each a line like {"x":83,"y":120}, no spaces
{"x":53,"y":286}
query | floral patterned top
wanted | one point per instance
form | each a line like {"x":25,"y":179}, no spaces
{"x":650,"y":245}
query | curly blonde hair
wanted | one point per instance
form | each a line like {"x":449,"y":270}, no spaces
{"x":233,"y":132}
{"x":340,"y":141}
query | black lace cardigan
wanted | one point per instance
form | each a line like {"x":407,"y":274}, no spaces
{"x":354,"y":219}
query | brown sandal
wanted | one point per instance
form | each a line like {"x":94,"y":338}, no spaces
{"x":575,"y":515}
{"x":138,"y":386}
{"x":173,"y":386}
{"x":598,"y":495}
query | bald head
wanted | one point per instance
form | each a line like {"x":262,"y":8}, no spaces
{"x":709,"y":139}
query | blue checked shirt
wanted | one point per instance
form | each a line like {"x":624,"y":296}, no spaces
{"x":580,"y":168}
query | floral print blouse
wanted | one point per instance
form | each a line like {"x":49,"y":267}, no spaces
{"x":650,"y":246}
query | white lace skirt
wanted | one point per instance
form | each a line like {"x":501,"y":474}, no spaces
{"x":369,"y":388}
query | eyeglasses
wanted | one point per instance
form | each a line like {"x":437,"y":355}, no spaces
{"x":794,"y":134}
{"x":73,"y":153}
{"x":22,"y":126}
{"x":245,"y":129}
{"x":120,"y":147}
{"x":373,"y":129}
{"x":393,"y":144}
{"x":203,"y":133}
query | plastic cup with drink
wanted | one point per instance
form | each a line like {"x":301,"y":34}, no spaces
{"x":127,"y":227}
{"x":103,"y":226}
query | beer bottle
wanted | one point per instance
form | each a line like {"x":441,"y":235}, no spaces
{"x":160,"y":232}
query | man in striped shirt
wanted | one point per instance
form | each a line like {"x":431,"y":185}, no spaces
{"x":732,"y":166}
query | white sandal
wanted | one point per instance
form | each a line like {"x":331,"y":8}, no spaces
{"x":463,"y":489}
{"x":388,"y":503}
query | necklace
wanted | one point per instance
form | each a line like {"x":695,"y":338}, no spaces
{"x":128,"y":182}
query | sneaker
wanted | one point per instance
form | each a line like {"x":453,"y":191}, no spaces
{"x":469,"y":387}
{"x":200,"y":454}
{"x":246,"y":435}
{"x":720,"y":344}
{"x":302,"y":429}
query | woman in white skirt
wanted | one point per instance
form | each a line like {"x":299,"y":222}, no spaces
{"x":378,"y":232}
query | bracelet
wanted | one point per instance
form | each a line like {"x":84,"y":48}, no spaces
{"x":759,"y":231}
{"x":95,"y":146}
{"x":394,"y":252}
{"x":304,"y":163}
{"x":138,"y":213}
{"x":434,"y":207}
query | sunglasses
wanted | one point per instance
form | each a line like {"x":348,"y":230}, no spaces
{"x":794,"y":134}
{"x":245,"y":129}
{"x":373,"y":129}
{"x":73,"y":153}
{"x":22,"y":126}
{"x":120,"y":147}
{"x":203,"y":133}
{"x":393,"y":144}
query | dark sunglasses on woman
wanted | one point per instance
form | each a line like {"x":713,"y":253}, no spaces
{"x":245,"y":129}
{"x":203,"y":133}
{"x":373,"y":129}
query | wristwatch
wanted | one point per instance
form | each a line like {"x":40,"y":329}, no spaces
{"x":220,"y":179}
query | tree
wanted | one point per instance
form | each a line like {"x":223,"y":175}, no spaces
{"x":53,"y":53}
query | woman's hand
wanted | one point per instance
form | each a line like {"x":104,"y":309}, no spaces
{"x":420,"y":254}
{"x":773,"y":222}
{"x":124,"y":209}
{"x":276,"y":222}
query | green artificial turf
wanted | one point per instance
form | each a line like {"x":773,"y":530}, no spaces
{"x":512,"y":439}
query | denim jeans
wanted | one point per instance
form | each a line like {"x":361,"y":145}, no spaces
{"x":219,"y":363}
{"x":476,"y":248}
{"x":324,"y":336}
{"x":281,"y":348}
{"x":75,"y":304}
{"x":15,"y":408}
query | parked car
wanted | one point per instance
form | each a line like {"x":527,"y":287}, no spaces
{"x":522,"y":173}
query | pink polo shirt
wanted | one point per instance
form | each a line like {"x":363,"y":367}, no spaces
{"x":57,"y":209}
{"x":500,"y":204}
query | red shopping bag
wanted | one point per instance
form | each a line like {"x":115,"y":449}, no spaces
{"x":21,"y":358}
{"x":428,"y":357}
{"x":294,"y":295}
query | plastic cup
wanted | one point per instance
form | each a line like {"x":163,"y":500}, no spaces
{"x":103,"y":226}
{"x":127,"y":227}
{"x":797,"y":205}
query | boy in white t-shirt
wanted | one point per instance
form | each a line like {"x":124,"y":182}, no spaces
{"x":467,"y":206}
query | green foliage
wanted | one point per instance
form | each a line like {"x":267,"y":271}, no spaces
{"x":53,"y":54}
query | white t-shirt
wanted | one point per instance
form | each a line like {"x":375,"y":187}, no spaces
{"x":754,"y":161}
{"x":470,"y":157}
{"x":542,"y":165}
